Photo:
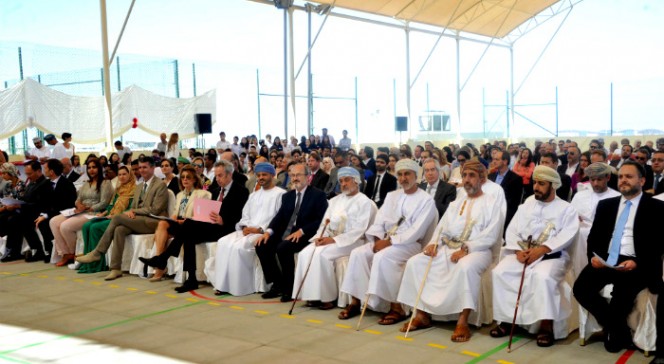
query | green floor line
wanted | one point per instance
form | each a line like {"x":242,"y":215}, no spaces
{"x":83,"y":332}
{"x":20,"y":273}
{"x":13,"y":360}
{"x":494,"y":350}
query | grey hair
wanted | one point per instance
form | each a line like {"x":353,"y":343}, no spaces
{"x":226,"y":165}
{"x":428,"y":160}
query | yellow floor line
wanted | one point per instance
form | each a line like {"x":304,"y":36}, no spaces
{"x":315,"y":321}
{"x":192,"y":300}
{"x":6,"y":273}
{"x":373,"y":332}
{"x":261,"y":312}
{"x":236,"y":307}
{"x":132,"y":289}
{"x":285,"y":315}
{"x":171,"y":296}
{"x":470,"y":353}
{"x":151,"y":292}
{"x":503,"y":362}
{"x":97,"y":283}
{"x":402,"y":338}
{"x":214,"y":303}
{"x":437,"y":346}
{"x":343,"y":326}
{"x":79,"y":280}
{"x":113,"y":286}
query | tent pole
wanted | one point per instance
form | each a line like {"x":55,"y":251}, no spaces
{"x":310,"y":93}
{"x":107,"y":75}
{"x":458,"y":86}
{"x":285,"y":72}
{"x":512,"y":92}
{"x":408,"y":86}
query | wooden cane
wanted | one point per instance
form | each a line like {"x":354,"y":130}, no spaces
{"x":518,"y":298}
{"x":388,"y":237}
{"x":299,"y":289}
{"x":419,"y":294}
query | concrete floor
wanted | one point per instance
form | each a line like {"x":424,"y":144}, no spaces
{"x":57,"y":315}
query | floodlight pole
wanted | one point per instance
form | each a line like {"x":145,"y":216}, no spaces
{"x":107,"y":75}
{"x":286,"y":73}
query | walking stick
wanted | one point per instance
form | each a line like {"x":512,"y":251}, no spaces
{"x":518,"y":298}
{"x":299,"y":289}
{"x":388,"y":237}
{"x":419,"y":294}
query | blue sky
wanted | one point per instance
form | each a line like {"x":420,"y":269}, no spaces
{"x":602,"y":41}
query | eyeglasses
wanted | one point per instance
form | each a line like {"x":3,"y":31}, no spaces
{"x":641,"y":158}
{"x":658,"y":159}
{"x":186,"y":176}
{"x":197,"y":165}
{"x":461,"y":160}
{"x":593,"y":147}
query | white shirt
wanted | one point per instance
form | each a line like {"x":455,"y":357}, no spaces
{"x":571,"y":169}
{"x":261,"y":208}
{"x":40,"y":153}
{"x":627,"y":241}
{"x":223,"y":145}
{"x":432,"y":188}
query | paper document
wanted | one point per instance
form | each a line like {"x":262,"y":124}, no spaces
{"x":203,"y":207}
{"x":604,"y":263}
{"x":70,"y":212}
{"x":8,"y":201}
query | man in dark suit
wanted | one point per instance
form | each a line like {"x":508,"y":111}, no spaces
{"x":150,"y":198}
{"x":191,"y":232}
{"x":571,"y":163}
{"x":380,"y":183}
{"x":442,"y":192}
{"x":629,"y":248}
{"x":63,"y":197}
{"x":642,"y":156}
{"x":511,"y":183}
{"x":318,"y":178}
{"x":367,"y":155}
{"x":551,"y":160}
{"x":658,"y":173}
{"x":297,"y":220}
{"x":68,"y":172}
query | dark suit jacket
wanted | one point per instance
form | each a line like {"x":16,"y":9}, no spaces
{"x":312,"y":210}
{"x":646,"y":230}
{"x":231,"y":207}
{"x":62,"y":197}
{"x":388,"y":184}
{"x":320,"y":179}
{"x":371,"y":165}
{"x":37,"y":194}
{"x":512,"y":185}
{"x":650,"y":178}
{"x":660,"y":186}
{"x":239,"y":178}
{"x":563,"y":168}
{"x":73,"y":176}
{"x":445,"y":193}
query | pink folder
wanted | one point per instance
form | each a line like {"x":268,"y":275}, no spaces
{"x":203,"y":207}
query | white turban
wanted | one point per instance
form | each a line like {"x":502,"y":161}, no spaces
{"x":597,"y":169}
{"x":548,"y":174}
{"x":407,"y":164}
{"x":349,"y":172}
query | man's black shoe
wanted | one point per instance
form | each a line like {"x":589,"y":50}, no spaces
{"x":35,"y":258}
{"x":272,"y":293}
{"x":10,"y":258}
{"x":187,"y":286}
{"x":286,"y":298}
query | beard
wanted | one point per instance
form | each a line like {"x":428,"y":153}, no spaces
{"x":539,"y":196}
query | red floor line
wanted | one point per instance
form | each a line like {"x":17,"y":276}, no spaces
{"x":626,"y":355}
{"x":198,"y":295}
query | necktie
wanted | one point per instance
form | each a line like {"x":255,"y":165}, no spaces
{"x":311,"y":178}
{"x":429,"y":189}
{"x":375,"y":191}
{"x":657,"y":177}
{"x":614,"y":250}
{"x":53,"y":184}
{"x":293,"y":217}
{"x":143,"y":190}
{"x":220,"y":198}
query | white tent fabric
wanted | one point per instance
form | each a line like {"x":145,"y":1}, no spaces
{"x":31,"y":104}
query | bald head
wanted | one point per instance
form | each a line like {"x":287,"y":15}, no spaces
{"x":66,"y":166}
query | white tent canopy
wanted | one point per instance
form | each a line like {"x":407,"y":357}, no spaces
{"x":31,"y":104}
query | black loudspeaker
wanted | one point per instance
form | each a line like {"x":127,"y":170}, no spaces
{"x":203,"y":123}
{"x":401,"y":123}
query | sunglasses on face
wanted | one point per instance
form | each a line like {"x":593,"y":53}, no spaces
{"x":197,"y":165}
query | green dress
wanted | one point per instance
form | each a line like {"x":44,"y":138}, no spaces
{"x":92,"y":233}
